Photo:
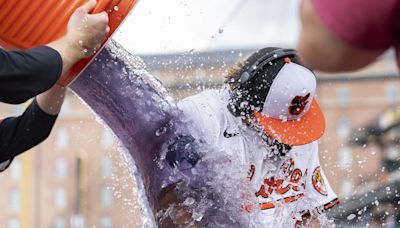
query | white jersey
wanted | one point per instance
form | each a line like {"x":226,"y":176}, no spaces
{"x":295,"y":181}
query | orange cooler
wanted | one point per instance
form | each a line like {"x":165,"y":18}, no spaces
{"x":26,"y":24}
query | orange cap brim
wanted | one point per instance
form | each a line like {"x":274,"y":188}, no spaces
{"x":308,"y":128}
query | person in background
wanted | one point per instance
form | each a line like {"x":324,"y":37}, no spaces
{"x":35,"y":72}
{"x":347,"y":35}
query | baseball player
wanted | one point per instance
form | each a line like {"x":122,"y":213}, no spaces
{"x":266,"y":116}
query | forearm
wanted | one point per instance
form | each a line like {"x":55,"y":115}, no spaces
{"x":171,"y":210}
{"x":69,"y":50}
{"x":18,"y":134}
{"x":51,"y":101}
{"x":322,"y":50}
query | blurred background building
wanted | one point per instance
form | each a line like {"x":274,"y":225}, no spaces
{"x":78,"y":177}
{"x":360,"y":148}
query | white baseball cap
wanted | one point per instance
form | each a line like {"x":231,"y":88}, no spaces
{"x":290,"y":113}
{"x":279,"y":92}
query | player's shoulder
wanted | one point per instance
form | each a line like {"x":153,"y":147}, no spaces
{"x":207,"y":111}
{"x":212,"y":97}
{"x":207,"y":102}
{"x":309,"y":148}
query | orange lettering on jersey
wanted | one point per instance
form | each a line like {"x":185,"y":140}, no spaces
{"x":251,"y":172}
{"x":282,"y":190}
{"x":270,"y":182}
{"x":289,"y":178}
{"x":262,"y":192}
{"x":287,"y":168}
{"x":247,"y":208}
{"x":295,"y":179}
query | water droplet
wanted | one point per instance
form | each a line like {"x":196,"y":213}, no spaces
{"x":197,"y":216}
{"x":161,"y":131}
{"x":189,"y":201}
{"x":351,"y":217}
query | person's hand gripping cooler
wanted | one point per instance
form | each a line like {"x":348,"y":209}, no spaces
{"x":33,"y":73}
{"x":85,"y":33}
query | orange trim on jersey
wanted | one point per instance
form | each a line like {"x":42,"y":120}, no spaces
{"x":251,"y":172}
{"x":269,"y":205}
{"x":321,"y":209}
{"x":331,"y":204}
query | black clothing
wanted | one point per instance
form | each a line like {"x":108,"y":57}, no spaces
{"x":25,"y":74}
{"x":18,"y":134}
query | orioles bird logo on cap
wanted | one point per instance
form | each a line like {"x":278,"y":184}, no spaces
{"x":298,"y":104}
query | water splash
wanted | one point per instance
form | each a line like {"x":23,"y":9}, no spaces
{"x":144,"y":117}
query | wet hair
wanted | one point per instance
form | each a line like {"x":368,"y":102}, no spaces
{"x":232,"y":78}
